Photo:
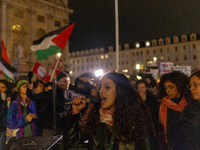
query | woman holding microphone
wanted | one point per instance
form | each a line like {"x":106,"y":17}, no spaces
{"x":118,"y":121}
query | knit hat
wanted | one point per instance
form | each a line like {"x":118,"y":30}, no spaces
{"x":19,"y":83}
{"x":61,"y":75}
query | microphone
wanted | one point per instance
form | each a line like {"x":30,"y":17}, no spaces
{"x":92,"y":99}
{"x":30,"y":75}
{"x":3,"y":96}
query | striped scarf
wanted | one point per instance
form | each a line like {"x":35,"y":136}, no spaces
{"x":106,"y":116}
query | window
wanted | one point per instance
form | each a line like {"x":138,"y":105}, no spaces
{"x":73,"y":69}
{"x":91,"y":59}
{"x":122,"y":55}
{"x":127,"y":62}
{"x":185,"y":57}
{"x":73,"y":61}
{"x":193,"y":45}
{"x":78,"y":68}
{"x":133,"y":54}
{"x":82,"y":68}
{"x":122,"y":62}
{"x":161,"y":50}
{"x":154,"y":51}
{"x":110,"y":64}
{"x":82,"y":61}
{"x":87,"y":67}
{"x":176,"y":48}
{"x":96,"y":58}
{"x":147,"y":52}
{"x":106,"y":65}
{"x":87,"y":60}
{"x":184,"y":47}
{"x":137,"y":53}
{"x":141,"y":53}
{"x":41,"y":18}
{"x":194,"y":57}
{"x":57,"y":23}
{"x":77,"y":61}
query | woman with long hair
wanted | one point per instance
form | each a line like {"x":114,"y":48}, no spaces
{"x":118,"y":121}
{"x":22,"y":113}
{"x":174,"y":96}
{"x":188,"y":136}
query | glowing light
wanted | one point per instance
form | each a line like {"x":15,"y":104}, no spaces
{"x":137,"y":66}
{"x":139,"y":77}
{"x":98,"y":73}
{"x":102,"y":57}
{"x":155,"y":59}
{"x":137,"y":45}
{"x":58,"y":54}
{"x":70,"y":72}
{"x":147,"y":43}
{"x":106,"y":56}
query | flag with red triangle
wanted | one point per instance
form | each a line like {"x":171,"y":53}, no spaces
{"x":52,"y":43}
{"x":6,"y":69}
{"x":41,"y":72}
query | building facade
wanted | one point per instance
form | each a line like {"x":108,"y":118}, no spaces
{"x":182,"y":50}
{"x":23,"y":21}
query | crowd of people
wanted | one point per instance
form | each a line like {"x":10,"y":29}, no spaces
{"x":130,"y":114}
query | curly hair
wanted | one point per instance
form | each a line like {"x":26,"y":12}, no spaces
{"x":128,"y":117}
{"x":180,"y":79}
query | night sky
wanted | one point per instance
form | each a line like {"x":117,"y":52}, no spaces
{"x":139,"y":20}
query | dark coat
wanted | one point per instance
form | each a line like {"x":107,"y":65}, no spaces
{"x":73,"y":135}
{"x":188,"y":129}
{"x":3,"y":113}
{"x":45,"y":109}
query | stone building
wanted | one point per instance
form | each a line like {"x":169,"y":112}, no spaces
{"x":183,"y":50}
{"x":23,"y":21}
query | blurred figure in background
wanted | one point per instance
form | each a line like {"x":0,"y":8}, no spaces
{"x":174,"y":97}
{"x":151,"y":83}
{"x":48,"y":86}
{"x":22,"y":113}
{"x":5,"y":100}
{"x":93,"y":91}
{"x":133,"y":80}
{"x":151,"y":102}
{"x":38,"y":86}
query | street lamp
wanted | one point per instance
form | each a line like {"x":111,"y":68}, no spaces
{"x":58,"y":54}
{"x":137,"y":66}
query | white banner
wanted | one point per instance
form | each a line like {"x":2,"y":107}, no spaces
{"x":184,"y":69}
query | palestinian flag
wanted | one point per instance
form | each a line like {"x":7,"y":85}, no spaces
{"x":5,"y":67}
{"x":52,"y":43}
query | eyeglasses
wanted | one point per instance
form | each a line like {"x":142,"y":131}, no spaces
{"x":64,"y":81}
{"x":195,"y":85}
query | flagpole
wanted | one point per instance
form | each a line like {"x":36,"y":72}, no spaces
{"x":58,"y":54}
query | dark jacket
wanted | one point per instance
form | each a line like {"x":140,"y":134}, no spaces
{"x":188,"y":129}
{"x":73,"y":136}
{"x":45,"y":108}
{"x":3,"y":113}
